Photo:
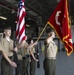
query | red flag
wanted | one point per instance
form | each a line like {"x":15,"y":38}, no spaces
{"x":59,"y":20}
{"x":20,"y":27}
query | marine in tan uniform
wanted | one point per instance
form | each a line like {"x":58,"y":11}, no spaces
{"x":33,"y":58}
{"x":26,"y":61}
{"x":50,"y":53}
{"x":7,"y":45}
{"x":25,"y":55}
{"x":6,"y":57}
{"x":20,"y":62}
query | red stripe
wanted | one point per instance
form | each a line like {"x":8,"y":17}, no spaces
{"x":20,"y":20}
{"x":22,"y":30}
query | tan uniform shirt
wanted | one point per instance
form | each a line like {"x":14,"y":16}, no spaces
{"x":25,"y":52}
{"x":7,"y":46}
{"x":1,"y":49}
{"x":33,"y":50}
{"x":19,"y":54}
{"x":51,"y":50}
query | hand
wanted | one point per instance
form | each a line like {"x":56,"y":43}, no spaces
{"x":15,"y":49}
{"x":13,"y":64}
{"x":25,"y":37}
{"x":36,"y":60}
{"x":36,"y":43}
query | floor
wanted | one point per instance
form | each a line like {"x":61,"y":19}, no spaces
{"x":64,"y":64}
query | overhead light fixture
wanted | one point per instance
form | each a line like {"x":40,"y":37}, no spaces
{"x":27,"y":25}
{"x":58,"y":0}
{"x":4,"y":18}
{"x":12,"y":11}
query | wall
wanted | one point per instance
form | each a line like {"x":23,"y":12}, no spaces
{"x":72,"y":30}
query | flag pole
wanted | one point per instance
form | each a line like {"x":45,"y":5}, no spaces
{"x":42,"y":32}
{"x":68,"y":3}
{"x":38,"y":63}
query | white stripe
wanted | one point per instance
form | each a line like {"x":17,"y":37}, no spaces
{"x":21,"y":11}
{"x":22,"y":35}
{"x":21,"y":25}
{"x":18,"y":26}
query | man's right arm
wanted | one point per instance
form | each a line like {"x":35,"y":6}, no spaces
{"x":10,"y":62}
{"x":6,"y":57}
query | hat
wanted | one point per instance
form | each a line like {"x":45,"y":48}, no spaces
{"x":29,"y":40}
{"x":49,"y":30}
{"x":7,"y":28}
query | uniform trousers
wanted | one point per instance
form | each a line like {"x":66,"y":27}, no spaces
{"x":49,"y":66}
{"x":19,"y":67}
{"x":32,"y":65}
{"x":25,"y":66}
{"x":6,"y":68}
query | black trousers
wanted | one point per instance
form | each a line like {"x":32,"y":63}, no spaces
{"x":32,"y":66}
{"x":6,"y":68}
{"x":49,"y":66}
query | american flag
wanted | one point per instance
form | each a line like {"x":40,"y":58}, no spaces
{"x":20,"y":27}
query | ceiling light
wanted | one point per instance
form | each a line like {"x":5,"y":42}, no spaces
{"x":12,"y":11}
{"x":27,"y":25}
{"x":58,"y":0}
{"x":4,"y":18}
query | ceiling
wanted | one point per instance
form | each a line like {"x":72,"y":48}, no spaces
{"x":38,"y":11}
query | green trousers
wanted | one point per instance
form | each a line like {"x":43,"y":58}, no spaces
{"x":49,"y":66}
{"x":6,"y":68}
{"x":19,"y":67}
{"x":32,"y":66}
{"x":25,"y":66}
